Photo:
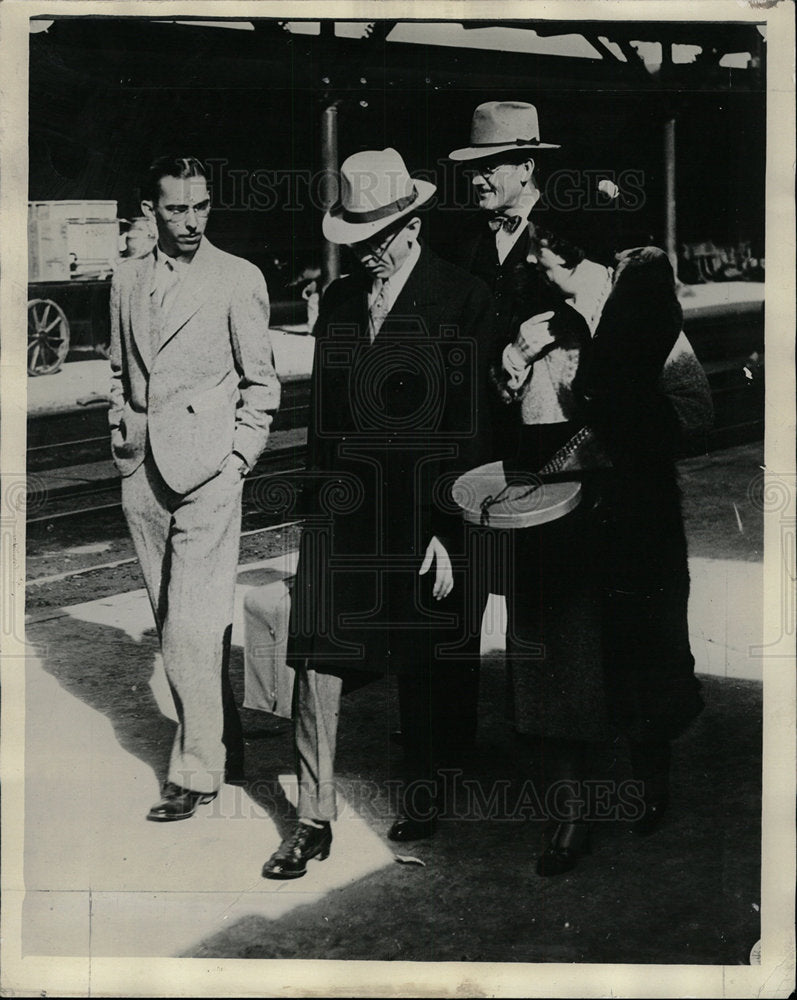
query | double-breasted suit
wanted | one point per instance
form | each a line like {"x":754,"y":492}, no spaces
{"x":191,"y":384}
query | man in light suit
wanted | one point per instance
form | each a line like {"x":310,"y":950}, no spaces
{"x":193,"y":393}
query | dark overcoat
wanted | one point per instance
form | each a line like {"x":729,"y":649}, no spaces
{"x":638,"y":526}
{"x":518,"y":292}
{"x":603,"y":593}
{"x":392,"y":423}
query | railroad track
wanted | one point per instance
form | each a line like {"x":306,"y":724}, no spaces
{"x":78,"y":436}
{"x":94,"y":490}
{"x":70,"y":574}
{"x":70,"y":476}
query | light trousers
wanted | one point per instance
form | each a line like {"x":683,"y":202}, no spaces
{"x":187,"y":545}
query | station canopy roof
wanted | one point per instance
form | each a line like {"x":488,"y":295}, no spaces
{"x":649,"y":42}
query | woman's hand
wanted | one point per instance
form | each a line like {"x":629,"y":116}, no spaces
{"x":444,"y":575}
{"x":534,"y":336}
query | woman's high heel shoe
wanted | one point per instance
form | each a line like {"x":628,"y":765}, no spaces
{"x":568,"y":843}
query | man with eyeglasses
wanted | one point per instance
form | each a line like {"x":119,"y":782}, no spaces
{"x":396,"y":411}
{"x":501,"y":163}
{"x":193,"y":394}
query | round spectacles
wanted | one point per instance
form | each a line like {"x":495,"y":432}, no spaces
{"x":486,"y":170}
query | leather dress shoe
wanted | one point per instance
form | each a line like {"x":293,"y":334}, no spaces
{"x":567,"y":844}
{"x":178,"y":803}
{"x":291,"y":857}
{"x":653,"y":811}
{"x":411,"y":829}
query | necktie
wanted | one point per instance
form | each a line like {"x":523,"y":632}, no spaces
{"x":506,"y":222}
{"x":378,"y":308}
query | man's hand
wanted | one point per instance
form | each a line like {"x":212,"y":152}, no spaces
{"x":238,"y":463}
{"x":534,"y":336}
{"x":444,"y":575}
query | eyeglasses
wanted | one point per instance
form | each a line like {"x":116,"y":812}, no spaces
{"x":176,"y":212}
{"x":375,"y":247}
{"x":486,"y":170}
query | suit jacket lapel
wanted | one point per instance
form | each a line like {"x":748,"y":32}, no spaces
{"x":519,"y":250}
{"x":417,"y":292}
{"x":198,"y":284}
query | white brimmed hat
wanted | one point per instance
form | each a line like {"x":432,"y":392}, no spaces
{"x":375,"y":190}
{"x":499,"y":126}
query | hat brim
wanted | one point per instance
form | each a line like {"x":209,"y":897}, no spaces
{"x":484,"y":152}
{"x":338,"y":230}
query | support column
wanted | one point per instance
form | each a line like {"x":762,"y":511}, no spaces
{"x":670,"y":244}
{"x":330,"y":264}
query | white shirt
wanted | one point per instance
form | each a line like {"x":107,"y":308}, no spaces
{"x":169,"y":272}
{"x":504,"y":241}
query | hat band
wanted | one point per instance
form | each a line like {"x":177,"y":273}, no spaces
{"x":507,"y":142}
{"x":383,"y":212}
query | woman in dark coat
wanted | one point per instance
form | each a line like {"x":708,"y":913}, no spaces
{"x":603,"y":592}
{"x":651,"y":686}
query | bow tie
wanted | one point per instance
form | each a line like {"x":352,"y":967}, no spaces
{"x":507,"y":222}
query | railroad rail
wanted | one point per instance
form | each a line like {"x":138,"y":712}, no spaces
{"x":92,"y":489}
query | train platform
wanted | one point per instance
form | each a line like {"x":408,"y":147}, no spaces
{"x":98,"y":880}
{"x":80,"y":385}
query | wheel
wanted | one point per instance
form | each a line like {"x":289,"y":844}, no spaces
{"x":48,"y":337}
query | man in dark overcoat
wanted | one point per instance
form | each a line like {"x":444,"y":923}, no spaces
{"x":395,"y":416}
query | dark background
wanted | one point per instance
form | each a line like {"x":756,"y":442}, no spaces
{"x":107,"y":95}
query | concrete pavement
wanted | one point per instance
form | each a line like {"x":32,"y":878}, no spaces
{"x":101,"y":881}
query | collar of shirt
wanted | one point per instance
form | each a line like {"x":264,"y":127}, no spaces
{"x":167,"y":269}
{"x":594,"y":285}
{"x":504,"y":241}
{"x":396,"y":281}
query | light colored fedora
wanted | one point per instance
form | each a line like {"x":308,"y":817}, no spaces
{"x":498,"y":126}
{"x":375,"y":190}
